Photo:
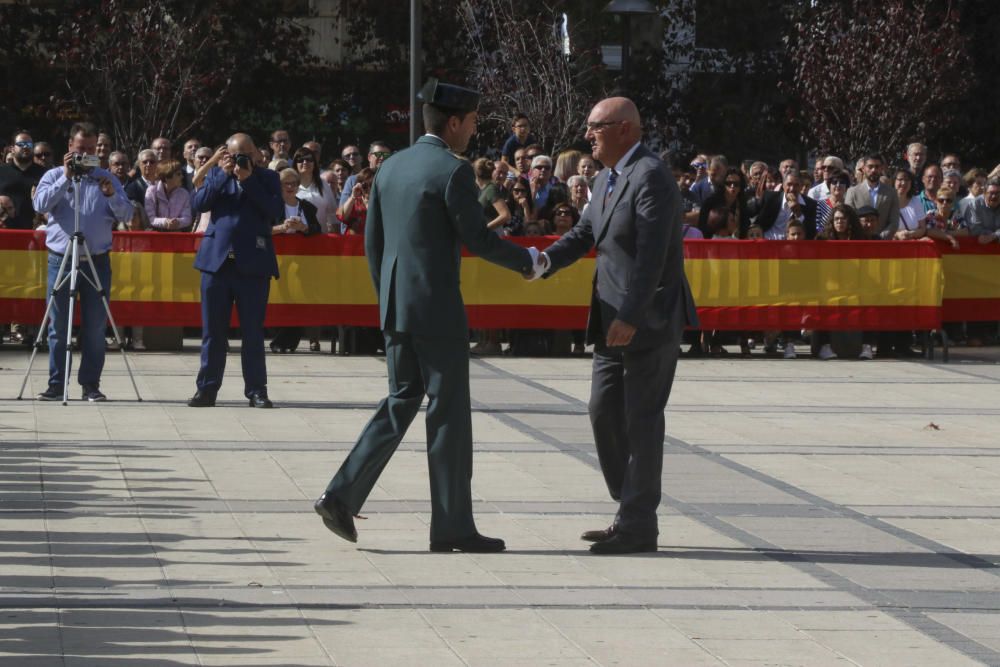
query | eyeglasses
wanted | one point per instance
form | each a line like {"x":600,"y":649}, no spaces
{"x":44,"y":154}
{"x":281,"y":141}
{"x":838,"y":184}
{"x":564,"y":211}
{"x":944,"y":200}
{"x":598,"y":125}
{"x":519,"y":191}
{"x":119,"y":164}
{"x":543,"y":167}
{"x":287,"y":184}
{"x":24,"y":144}
{"x":732,"y":184}
{"x":303,"y":159}
{"x":381,"y":155}
{"x":348,"y":156}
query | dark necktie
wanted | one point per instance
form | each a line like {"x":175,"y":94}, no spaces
{"x":612,"y":177}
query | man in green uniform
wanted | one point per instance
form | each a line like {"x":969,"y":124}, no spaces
{"x":423,"y":207}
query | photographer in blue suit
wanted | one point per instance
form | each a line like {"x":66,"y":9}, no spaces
{"x":237,"y":261}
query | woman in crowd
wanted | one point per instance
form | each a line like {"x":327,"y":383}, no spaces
{"x":313,"y":190}
{"x":564,"y":217}
{"x":299,"y":218}
{"x":732,"y":196}
{"x":588,"y":168}
{"x":567,"y":164}
{"x":579,"y":192}
{"x":522,"y":208}
{"x":773,"y":179}
{"x":491,"y":198}
{"x":844,"y":225}
{"x":944,"y":224}
{"x":911,"y":211}
{"x":354,"y":211}
{"x":839,"y":183}
{"x":168,"y":204}
{"x":335,"y":176}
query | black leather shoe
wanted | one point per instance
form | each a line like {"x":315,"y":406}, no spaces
{"x":336,"y":517}
{"x":259,"y":399}
{"x":600,"y":535}
{"x":202,"y":399}
{"x":479,"y":544}
{"x":622,"y":544}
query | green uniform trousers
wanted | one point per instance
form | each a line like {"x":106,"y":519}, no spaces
{"x":419,"y":365}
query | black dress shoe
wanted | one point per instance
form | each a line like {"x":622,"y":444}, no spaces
{"x":259,"y":399}
{"x":623,"y":544}
{"x":479,"y":544}
{"x":600,"y":535}
{"x":202,"y":399}
{"x":336,"y":517}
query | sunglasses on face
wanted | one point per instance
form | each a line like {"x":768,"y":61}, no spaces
{"x":381,"y":154}
{"x":24,"y":144}
{"x":279,"y":141}
{"x":945,"y":200}
{"x":563,"y":211}
{"x":44,"y":154}
{"x":519,"y":191}
{"x":348,"y":156}
{"x":300,"y":160}
{"x":732,"y":184}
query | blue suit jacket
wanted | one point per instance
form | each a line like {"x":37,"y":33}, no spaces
{"x":242,"y":217}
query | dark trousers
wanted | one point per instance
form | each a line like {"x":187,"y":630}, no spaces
{"x":219,"y":291}
{"x":93,"y":320}
{"x":628,"y":394}
{"x":438,"y":368}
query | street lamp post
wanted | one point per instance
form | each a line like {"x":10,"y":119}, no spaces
{"x":626,"y":9}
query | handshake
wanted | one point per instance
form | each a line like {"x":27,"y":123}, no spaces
{"x":540,"y":264}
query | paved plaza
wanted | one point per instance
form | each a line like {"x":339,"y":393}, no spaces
{"x":814,"y":513}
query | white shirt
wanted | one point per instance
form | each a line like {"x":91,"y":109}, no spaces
{"x":819,"y":191}
{"x":779,"y":229}
{"x":326,"y":206}
{"x":911,"y":214}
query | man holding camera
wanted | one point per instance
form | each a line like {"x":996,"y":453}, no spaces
{"x":102,"y":203}
{"x":237,"y":261}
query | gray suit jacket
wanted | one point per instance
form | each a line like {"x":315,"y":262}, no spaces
{"x":640,"y":253}
{"x":888,"y":206}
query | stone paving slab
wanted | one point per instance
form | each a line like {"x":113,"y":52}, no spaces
{"x":837,"y":513}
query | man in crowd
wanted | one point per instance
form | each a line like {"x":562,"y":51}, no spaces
{"x":522,"y":163}
{"x":43,"y":155}
{"x":163,"y":149}
{"x":118,"y":165}
{"x":424,"y":206}
{"x":7,"y":211}
{"x":136,"y":189}
{"x":104,"y":148}
{"x":102,"y":204}
{"x":539,"y":178}
{"x":191,"y":147}
{"x":317,"y":150}
{"x":18,"y":178}
{"x":931,"y":180}
{"x":237,"y":261}
{"x":916,"y":157}
{"x":774,"y":210}
{"x":984,"y":222}
{"x":830,"y":165}
{"x":520,"y":137}
{"x":351,"y":154}
{"x":873,"y":192}
{"x":640,"y":304}
{"x":378,"y":151}
{"x":281,"y":145}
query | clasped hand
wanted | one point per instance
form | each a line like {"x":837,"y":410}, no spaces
{"x":540,"y":264}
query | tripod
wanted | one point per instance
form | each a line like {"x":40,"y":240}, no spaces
{"x":73,"y":257}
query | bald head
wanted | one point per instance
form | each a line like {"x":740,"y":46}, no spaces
{"x":613,"y":127}
{"x":241,"y":143}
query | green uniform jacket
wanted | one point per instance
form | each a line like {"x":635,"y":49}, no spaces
{"x":423,"y":207}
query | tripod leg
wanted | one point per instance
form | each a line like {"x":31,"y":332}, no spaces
{"x":99,"y":287}
{"x":74,"y":274}
{"x":43,"y":329}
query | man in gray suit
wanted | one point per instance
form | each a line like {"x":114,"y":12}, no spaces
{"x":640,"y":304}
{"x":873,"y":192}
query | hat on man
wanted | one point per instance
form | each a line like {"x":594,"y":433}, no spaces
{"x":448,"y":97}
{"x":867,"y":210}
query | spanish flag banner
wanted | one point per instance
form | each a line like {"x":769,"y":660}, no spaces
{"x":736,"y":284}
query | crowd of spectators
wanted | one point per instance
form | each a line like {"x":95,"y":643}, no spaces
{"x":525,"y":191}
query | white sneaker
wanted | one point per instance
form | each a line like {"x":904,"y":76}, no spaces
{"x":826,"y":353}
{"x":790,"y":351}
{"x":866,"y":352}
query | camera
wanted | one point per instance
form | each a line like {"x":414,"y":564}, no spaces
{"x":242,"y":160}
{"x":81,"y":163}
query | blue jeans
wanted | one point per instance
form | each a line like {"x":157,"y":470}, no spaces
{"x":93,"y":320}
